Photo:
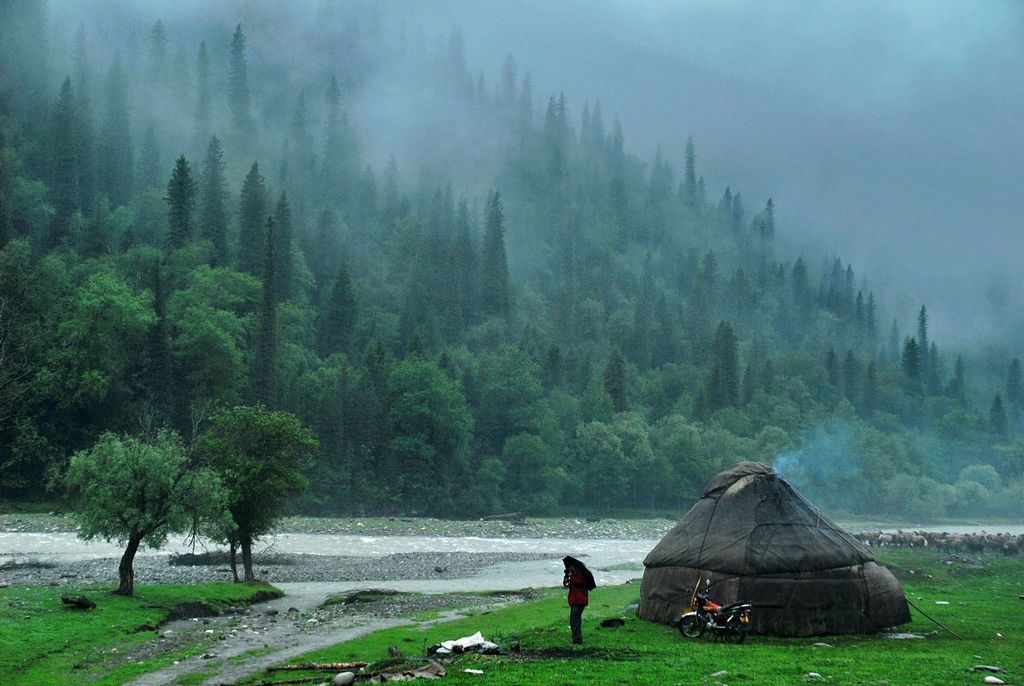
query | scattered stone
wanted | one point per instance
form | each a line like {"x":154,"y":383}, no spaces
{"x":343,"y":679}
{"x":271,"y":613}
{"x":718,"y":675}
{"x":208,"y":656}
{"x":312,"y":620}
{"x":393,"y":651}
{"x":3,"y":584}
{"x":78,"y":665}
{"x":473,"y":671}
{"x":942,"y":602}
{"x":822,"y":645}
{"x":987,"y":668}
{"x":812,"y":675}
{"x":514,"y":646}
{"x":633,"y":607}
{"x":613,"y":623}
{"x":293,"y":609}
{"x":994,"y":680}
{"x":79,"y":601}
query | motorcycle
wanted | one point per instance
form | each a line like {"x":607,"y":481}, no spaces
{"x":731,"y":622}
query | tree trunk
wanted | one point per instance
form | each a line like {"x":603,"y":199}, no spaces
{"x":125,"y":570}
{"x":247,"y":559}
{"x":234,"y":562}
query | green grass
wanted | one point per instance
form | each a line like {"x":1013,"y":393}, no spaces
{"x":982,"y":603}
{"x":193,"y":679}
{"x":42,"y":639}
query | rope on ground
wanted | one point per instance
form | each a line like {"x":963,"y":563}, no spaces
{"x":911,"y":603}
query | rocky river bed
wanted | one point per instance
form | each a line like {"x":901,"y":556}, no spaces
{"x":281,"y":568}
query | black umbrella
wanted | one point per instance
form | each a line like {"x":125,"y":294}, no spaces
{"x":572,"y":562}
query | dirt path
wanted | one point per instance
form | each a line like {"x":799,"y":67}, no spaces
{"x":238,"y":645}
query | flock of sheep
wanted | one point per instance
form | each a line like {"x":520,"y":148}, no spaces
{"x":978,"y":543}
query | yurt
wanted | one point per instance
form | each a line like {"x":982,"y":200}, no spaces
{"x":759,"y":541}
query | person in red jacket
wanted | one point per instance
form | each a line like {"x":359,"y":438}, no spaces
{"x":579,"y":581}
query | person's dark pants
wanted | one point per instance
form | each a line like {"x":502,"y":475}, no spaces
{"x":576,"y":622}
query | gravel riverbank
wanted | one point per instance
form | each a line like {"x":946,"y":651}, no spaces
{"x":286,"y":568}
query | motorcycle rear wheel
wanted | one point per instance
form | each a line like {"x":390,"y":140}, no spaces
{"x":691,"y":627}
{"x":735,"y":636}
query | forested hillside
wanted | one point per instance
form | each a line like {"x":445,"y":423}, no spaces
{"x":523,"y":315}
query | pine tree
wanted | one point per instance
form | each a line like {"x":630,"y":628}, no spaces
{"x":957,"y":387}
{"x":94,"y":240}
{"x":894,"y":344}
{"x":201,"y":132}
{"x":339,"y":317}
{"x":769,"y":219}
{"x":1015,"y":390}
{"x":252,"y":214}
{"x":181,"y":201}
{"x":159,"y":373}
{"x":283,"y":249}
{"x":859,"y":315}
{"x":723,"y":380}
{"x":801,"y":288}
{"x":997,"y":416}
{"x":922,"y":342}
{"x":749,"y":385}
{"x":870,"y":389}
{"x":524,"y":120}
{"x":725,"y":204}
{"x":340,"y":153}
{"x":869,"y":316}
{"x":158,"y":53}
{"x":509,"y":81}
{"x":690,"y":175}
{"x":494,"y":292}
{"x":911,"y":361}
{"x":465,"y":260}
{"x":832,"y":367}
{"x":615,"y":380}
{"x":238,"y":86}
{"x":213,"y":193}
{"x":325,"y":256}
{"x":738,"y":212}
{"x":116,"y":143}
{"x":85,"y":143}
{"x":264,"y":383}
{"x":768,"y":377}
{"x":63,"y":183}
{"x":851,"y":376}
{"x":151,"y":172}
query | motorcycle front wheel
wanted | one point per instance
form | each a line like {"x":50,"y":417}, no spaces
{"x":691,"y":627}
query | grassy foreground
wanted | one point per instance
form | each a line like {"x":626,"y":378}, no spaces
{"x":41,"y":640}
{"x":983,"y":602}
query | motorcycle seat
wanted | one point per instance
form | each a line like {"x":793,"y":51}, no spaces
{"x":734,"y":606}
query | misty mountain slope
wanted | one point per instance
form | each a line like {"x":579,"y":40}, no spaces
{"x":481,"y":299}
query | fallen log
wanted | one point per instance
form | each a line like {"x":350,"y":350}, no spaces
{"x":507,"y":517}
{"x":317,"y":667}
{"x":79,"y":601}
{"x":305,"y":680}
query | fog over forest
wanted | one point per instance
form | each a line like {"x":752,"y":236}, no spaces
{"x":492,"y":206}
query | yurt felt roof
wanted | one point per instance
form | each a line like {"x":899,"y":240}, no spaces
{"x":750,"y":522}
